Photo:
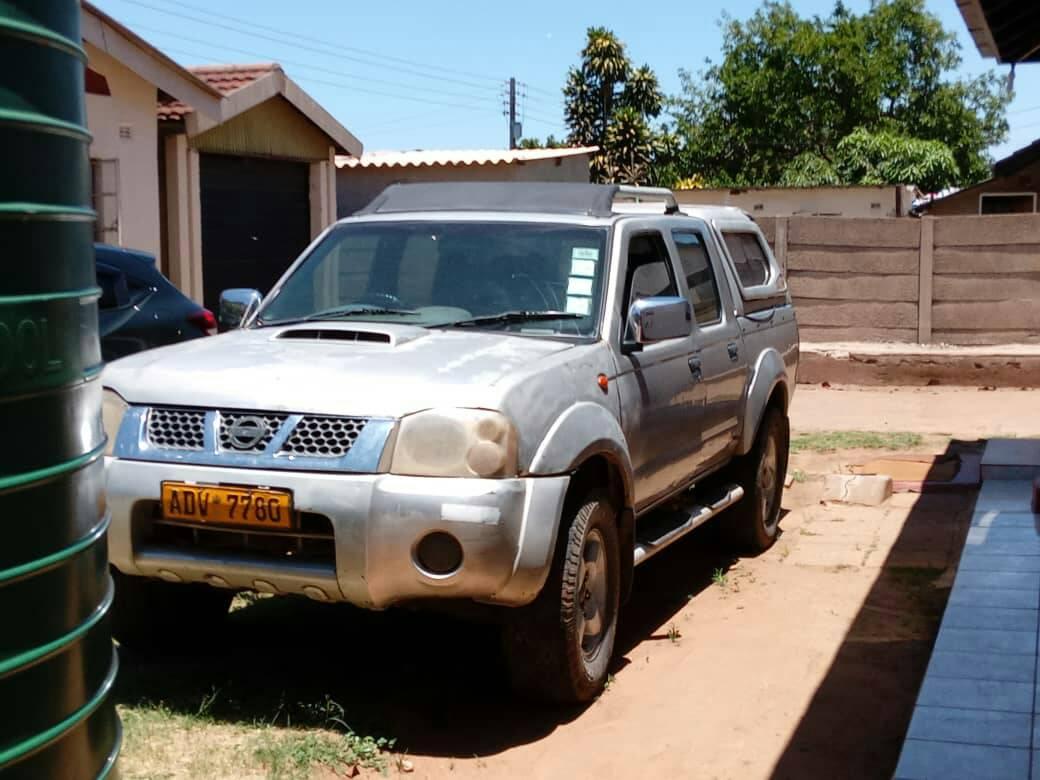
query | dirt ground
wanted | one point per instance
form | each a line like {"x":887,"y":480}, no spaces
{"x":802,"y":662}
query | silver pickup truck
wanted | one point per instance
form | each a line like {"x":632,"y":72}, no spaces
{"x":510,"y":394}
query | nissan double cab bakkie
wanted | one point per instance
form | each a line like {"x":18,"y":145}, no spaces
{"x":509,"y":394}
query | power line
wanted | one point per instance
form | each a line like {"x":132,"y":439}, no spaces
{"x":336,"y":52}
{"x":294,"y":63}
{"x":1025,"y":110}
{"x":349,"y":87}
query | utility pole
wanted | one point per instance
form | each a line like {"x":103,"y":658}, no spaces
{"x":512,"y":113}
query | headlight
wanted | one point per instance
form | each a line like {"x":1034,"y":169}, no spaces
{"x":112,"y":410}
{"x":456,"y":443}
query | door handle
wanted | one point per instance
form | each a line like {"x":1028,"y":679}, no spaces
{"x":733,"y":349}
{"x":695,"y":368}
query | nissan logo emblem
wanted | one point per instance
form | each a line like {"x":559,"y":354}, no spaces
{"x":246,"y":432}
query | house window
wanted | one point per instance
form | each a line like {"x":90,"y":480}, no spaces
{"x":104,"y":179}
{"x":1007,"y":203}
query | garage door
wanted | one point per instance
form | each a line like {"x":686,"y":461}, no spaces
{"x":255,"y":221}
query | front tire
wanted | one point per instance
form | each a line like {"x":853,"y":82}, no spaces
{"x":559,"y":648}
{"x":152,"y":616}
{"x":754,"y":522}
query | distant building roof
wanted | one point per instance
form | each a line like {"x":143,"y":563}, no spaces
{"x":224,"y":78}
{"x":458,"y":157}
{"x":1018,"y":159}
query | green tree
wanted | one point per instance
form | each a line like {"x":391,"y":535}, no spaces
{"x":611,"y":104}
{"x":796,"y":99}
{"x":551,"y":142}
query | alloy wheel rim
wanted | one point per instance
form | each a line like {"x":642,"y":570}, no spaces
{"x":592,"y":606}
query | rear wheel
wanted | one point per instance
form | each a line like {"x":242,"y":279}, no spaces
{"x":754,"y":522}
{"x":152,"y":615}
{"x":559,"y":648}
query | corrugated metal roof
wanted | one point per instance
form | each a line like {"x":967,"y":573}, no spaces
{"x":458,"y":157}
{"x":224,"y":78}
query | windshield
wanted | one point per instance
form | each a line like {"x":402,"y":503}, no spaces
{"x":442,"y":273}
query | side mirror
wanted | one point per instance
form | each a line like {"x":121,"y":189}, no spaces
{"x":658,"y":319}
{"x":237,"y":306}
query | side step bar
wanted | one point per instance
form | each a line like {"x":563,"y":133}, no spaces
{"x":671,"y":525}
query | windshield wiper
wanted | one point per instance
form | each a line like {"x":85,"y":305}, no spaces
{"x":343,"y":311}
{"x":520,"y":315}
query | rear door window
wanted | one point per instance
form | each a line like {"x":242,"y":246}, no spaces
{"x":702,"y":288}
{"x":749,"y":258}
{"x":115,"y":292}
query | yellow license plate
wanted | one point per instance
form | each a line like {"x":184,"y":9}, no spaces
{"x":255,"y":507}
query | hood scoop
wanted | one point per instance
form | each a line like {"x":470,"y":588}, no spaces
{"x":336,"y":334}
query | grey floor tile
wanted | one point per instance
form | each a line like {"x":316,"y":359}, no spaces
{"x":957,"y":616}
{"x":1009,"y":472}
{"x":924,"y":760}
{"x":1004,"y":494}
{"x":989,"y":546}
{"x":977,"y":727}
{"x":1012,"y":580}
{"x":1012,"y":668}
{"x":994,"y":597}
{"x":975,"y":562}
{"x":984,"y":641}
{"x":976,"y":694}
{"x":979,"y":536}
{"x":1003,"y":518}
{"x":1036,"y":763}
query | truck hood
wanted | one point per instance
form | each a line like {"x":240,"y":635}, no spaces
{"x":366,"y":369}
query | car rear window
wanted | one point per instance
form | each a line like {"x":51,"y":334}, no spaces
{"x":749,"y":258}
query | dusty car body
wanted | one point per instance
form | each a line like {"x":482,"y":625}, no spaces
{"x":508,"y":394}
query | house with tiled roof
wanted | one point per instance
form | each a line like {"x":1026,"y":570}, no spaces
{"x":224,"y":172}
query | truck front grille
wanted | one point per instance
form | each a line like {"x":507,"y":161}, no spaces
{"x":177,"y":429}
{"x":271,"y":423}
{"x":323,"y":437}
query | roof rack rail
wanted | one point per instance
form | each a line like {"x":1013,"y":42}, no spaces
{"x":651,"y":193}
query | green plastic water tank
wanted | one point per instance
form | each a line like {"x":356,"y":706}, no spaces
{"x":57,"y":662}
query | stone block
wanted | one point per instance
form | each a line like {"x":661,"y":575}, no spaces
{"x":865,"y":489}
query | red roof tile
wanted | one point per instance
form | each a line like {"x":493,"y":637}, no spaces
{"x":226,"y":78}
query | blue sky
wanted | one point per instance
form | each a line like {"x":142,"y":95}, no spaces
{"x":417,"y":74}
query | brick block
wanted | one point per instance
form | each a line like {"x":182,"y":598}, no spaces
{"x":865,"y":489}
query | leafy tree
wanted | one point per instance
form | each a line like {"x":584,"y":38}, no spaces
{"x":610,"y":104}
{"x":842,"y":99}
{"x":552,"y":142}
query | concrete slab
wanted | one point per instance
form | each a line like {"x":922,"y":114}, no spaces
{"x":999,"y":695}
{"x":993,"y":597}
{"x":1011,"y":459}
{"x":976,"y":727}
{"x":985,"y":641}
{"x":991,"y":618}
{"x":1010,"y":580}
{"x":864,"y":489}
{"x":966,"y":666}
{"x":925,"y":760}
{"x":1013,"y":495}
{"x":1000,"y":563}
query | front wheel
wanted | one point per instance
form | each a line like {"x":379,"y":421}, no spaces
{"x":559,"y":648}
{"x":754,"y":521}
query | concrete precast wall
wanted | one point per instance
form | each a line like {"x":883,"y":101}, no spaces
{"x":954,"y":280}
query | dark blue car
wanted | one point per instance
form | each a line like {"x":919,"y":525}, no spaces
{"x":139,"y":307}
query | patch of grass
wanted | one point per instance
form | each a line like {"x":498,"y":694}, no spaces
{"x":830,"y":441}
{"x":298,"y":754}
{"x":799,"y":476}
{"x":674,"y":634}
{"x":718,"y":577}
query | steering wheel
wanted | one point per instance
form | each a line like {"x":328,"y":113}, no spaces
{"x":381,"y":299}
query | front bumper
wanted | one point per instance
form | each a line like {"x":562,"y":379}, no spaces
{"x":507,"y":529}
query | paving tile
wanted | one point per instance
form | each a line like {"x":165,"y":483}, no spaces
{"x":977,"y":727}
{"x":973,"y":561}
{"x":1010,"y":473}
{"x":1012,"y":452}
{"x":991,"y":546}
{"x":924,"y":760}
{"x":985,"y":640}
{"x":967,"y":666}
{"x":994,"y":597}
{"x":958,"y":616}
{"x":1010,"y":580}
{"x":1036,"y":763}
{"x":979,"y":536}
{"x":999,"y":695}
{"x":1003,"y":518}
{"x":1004,"y":494}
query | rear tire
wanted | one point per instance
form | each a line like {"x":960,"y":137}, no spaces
{"x":559,"y":648}
{"x":153,"y":616}
{"x":754,"y":522}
